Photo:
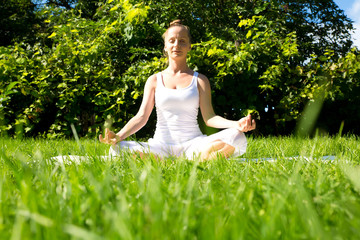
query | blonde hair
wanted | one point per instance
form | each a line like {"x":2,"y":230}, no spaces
{"x":179,"y":23}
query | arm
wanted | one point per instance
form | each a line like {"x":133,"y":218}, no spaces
{"x":211,"y":119}
{"x":139,"y":120}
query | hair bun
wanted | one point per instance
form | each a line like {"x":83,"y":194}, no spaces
{"x":179,"y":23}
{"x":176,"y":22}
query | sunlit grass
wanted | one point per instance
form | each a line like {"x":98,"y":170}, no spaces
{"x":130,"y":198}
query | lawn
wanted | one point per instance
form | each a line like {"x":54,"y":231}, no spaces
{"x":304,"y":197}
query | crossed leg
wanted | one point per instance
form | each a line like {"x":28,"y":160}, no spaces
{"x":211,"y":151}
{"x":216,"y":148}
{"x":207,"y":149}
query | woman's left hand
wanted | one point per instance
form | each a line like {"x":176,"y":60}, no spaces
{"x":246,"y":124}
{"x":109,"y":138}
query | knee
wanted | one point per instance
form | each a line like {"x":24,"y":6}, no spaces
{"x":237,"y":137}
{"x":238,"y":140}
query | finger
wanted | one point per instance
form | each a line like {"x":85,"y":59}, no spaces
{"x":105,"y":136}
{"x":246,"y":125}
{"x":108,"y":133}
{"x":102,"y":139}
{"x":246,"y":121}
{"x":249,"y":120}
{"x":108,"y":139}
{"x":111,"y":134}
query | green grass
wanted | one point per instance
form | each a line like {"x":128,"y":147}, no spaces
{"x":131,"y":198}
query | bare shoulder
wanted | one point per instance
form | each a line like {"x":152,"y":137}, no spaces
{"x":203,"y":81}
{"x":152,"y":81}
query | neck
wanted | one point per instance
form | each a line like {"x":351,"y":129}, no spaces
{"x":177,"y":66}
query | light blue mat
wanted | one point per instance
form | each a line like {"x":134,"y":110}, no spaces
{"x":323,"y":158}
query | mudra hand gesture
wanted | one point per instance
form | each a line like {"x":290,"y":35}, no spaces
{"x":110,"y":137}
{"x":246,"y":124}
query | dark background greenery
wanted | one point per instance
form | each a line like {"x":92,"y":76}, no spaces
{"x":85,"y":63}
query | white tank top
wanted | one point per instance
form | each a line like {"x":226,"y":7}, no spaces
{"x":176,"y":111}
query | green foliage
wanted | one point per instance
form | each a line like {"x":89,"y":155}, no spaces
{"x":78,"y":76}
{"x":319,"y":25}
{"x":89,"y":67}
{"x":18,"y":21}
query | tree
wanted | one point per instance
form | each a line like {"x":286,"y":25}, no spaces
{"x":87,"y":8}
{"x":89,"y":68}
{"x":73,"y":80}
{"x":18,"y":21}
{"x":319,"y":26}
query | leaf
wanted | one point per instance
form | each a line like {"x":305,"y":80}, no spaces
{"x":243,"y":22}
{"x":52,"y":35}
{"x":135,"y":95}
{"x":249,"y":34}
{"x":10,"y":86}
{"x":114,"y":8}
{"x":323,"y":58}
{"x":62,"y":85}
{"x":23,"y":91}
{"x":136,"y":12}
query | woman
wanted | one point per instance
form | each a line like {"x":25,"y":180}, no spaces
{"x":178,"y":92}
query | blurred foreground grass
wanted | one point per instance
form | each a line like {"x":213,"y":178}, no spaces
{"x":129,"y":198}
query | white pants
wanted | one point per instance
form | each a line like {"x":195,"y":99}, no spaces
{"x":190,"y":149}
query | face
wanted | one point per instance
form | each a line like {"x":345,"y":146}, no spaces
{"x":177,"y":42}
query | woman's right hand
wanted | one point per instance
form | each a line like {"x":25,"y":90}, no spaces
{"x":110,"y":137}
{"x":246,"y":124}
